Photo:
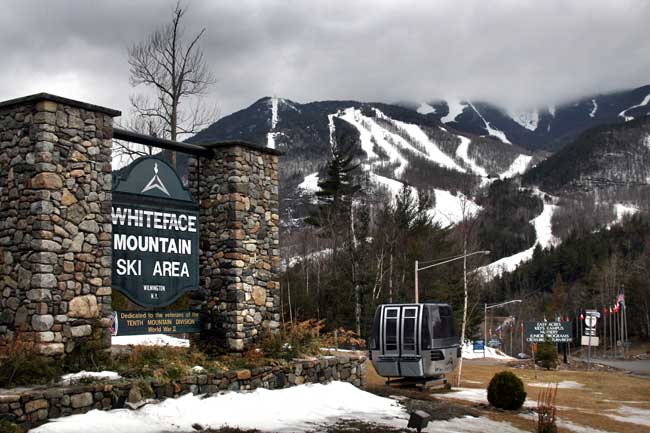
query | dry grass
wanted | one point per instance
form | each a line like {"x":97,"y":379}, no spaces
{"x":602,"y":393}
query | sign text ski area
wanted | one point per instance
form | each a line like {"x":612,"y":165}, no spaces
{"x":155,"y":234}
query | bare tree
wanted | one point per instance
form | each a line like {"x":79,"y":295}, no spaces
{"x":175,"y":69}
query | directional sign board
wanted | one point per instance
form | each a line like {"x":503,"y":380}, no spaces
{"x":155,"y":234}
{"x":557,"y":332}
{"x":590,"y":332}
{"x":478,"y":346}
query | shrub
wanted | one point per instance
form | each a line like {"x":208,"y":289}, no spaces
{"x":294,"y":340}
{"x":547,"y":410}
{"x":8,"y":427}
{"x":506,"y":391}
{"x":22,"y":365}
{"x":546,"y":355}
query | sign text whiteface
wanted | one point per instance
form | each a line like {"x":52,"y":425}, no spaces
{"x":155,"y":234}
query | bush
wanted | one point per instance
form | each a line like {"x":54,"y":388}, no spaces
{"x":294,"y":341}
{"x":506,"y":391}
{"x":546,"y":355}
{"x":22,"y":365}
{"x":8,"y":427}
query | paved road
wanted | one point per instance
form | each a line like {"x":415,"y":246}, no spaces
{"x":640,"y":366}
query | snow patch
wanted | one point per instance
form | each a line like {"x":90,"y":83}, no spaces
{"x":551,"y":110}
{"x":623,"y":210}
{"x":527,"y":119}
{"x":461,"y":152}
{"x":544,"y":238}
{"x":491,"y":131}
{"x":594,"y":109}
{"x":622,"y":114}
{"x":565,"y":384}
{"x":475,"y":395}
{"x":315,"y":255}
{"x":455,"y":109}
{"x":634,"y":415}
{"x":433,"y":152}
{"x":518,"y":166}
{"x":490,"y":352}
{"x":270,"y":140}
{"x":273,"y":103}
{"x":448,"y":209}
{"x":393,"y":186}
{"x":72,"y":378}
{"x":646,"y":142}
{"x":149,"y":340}
{"x":425,"y":108}
{"x":310,"y":183}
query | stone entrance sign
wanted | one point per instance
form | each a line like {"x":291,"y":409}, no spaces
{"x":155,"y":234}
{"x":557,"y":332}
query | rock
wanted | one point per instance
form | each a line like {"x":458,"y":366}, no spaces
{"x":67,"y":198}
{"x":35,"y":405}
{"x":42,"y":322}
{"x":81,"y":331}
{"x":47,"y":181}
{"x":134,"y":395}
{"x":84,"y":307}
{"x":39,"y":295}
{"x":236,"y":344}
{"x":51,"y":349}
{"x":45,"y":281}
{"x":259,"y":295}
{"x":77,"y":243}
{"x":81,"y":400}
{"x":89,"y":226}
{"x":243,"y":374}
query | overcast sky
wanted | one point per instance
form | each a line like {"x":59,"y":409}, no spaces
{"x":514,"y":53}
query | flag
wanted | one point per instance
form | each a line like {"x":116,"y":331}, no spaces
{"x":582,"y":317}
{"x":621,"y":298}
{"x":604,"y":311}
{"x":567,"y":318}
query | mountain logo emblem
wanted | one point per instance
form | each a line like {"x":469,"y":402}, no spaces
{"x":156,"y":183}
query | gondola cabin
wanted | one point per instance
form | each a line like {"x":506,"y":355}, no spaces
{"x":414,"y":340}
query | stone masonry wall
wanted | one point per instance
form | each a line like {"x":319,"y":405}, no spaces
{"x":240,"y":252}
{"x":32,"y":407}
{"x":55,"y":228}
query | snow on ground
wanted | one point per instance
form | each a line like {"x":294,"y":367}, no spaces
{"x":623,"y":210}
{"x":455,"y":109}
{"x":293,"y":261}
{"x":432,"y":151}
{"x":564,"y":424}
{"x":461,"y":152}
{"x":491,"y":131}
{"x":448,"y":208}
{"x":594,"y":109}
{"x":490,"y":352}
{"x":297,"y":409}
{"x":646,"y":141}
{"x":476,"y":395}
{"x":518,"y":166}
{"x":370,"y":133}
{"x":568,"y":384}
{"x":425,"y":108}
{"x":393,"y":186}
{"x":270,"y":140}
{"x":529,"y":119}
{"x":149,"y":340}
{"x":72,"y":378}
{"x":634,"y":415}
{"x":274,"y":112}
{"x":545,"y":239}
{"x":310,"y":183}
{"x":645,"y":101}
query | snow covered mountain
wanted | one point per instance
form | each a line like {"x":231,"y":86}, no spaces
{"x":548,"y":128}
{"x":395,"y":145}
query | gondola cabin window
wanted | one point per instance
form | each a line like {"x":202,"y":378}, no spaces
{"x":391,"y":330}
{"x":409,"y":329}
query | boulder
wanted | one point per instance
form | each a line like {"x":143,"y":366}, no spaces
{"x":47,"y":181}
{"x":84,"y":307}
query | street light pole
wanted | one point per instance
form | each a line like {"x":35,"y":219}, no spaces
{"x":444,"y":261}
{"x":500,"y":304}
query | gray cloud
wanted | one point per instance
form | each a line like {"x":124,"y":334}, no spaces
{"x":513,"y":53}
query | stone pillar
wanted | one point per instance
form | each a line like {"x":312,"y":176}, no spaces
{"x":237,"y":191}
{"x":55,"y":228}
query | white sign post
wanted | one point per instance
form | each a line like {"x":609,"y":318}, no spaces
{"x":589,"y":337}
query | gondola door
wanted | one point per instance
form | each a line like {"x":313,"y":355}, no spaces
{"x":410,"y":360}
{"x":390,"y":342}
